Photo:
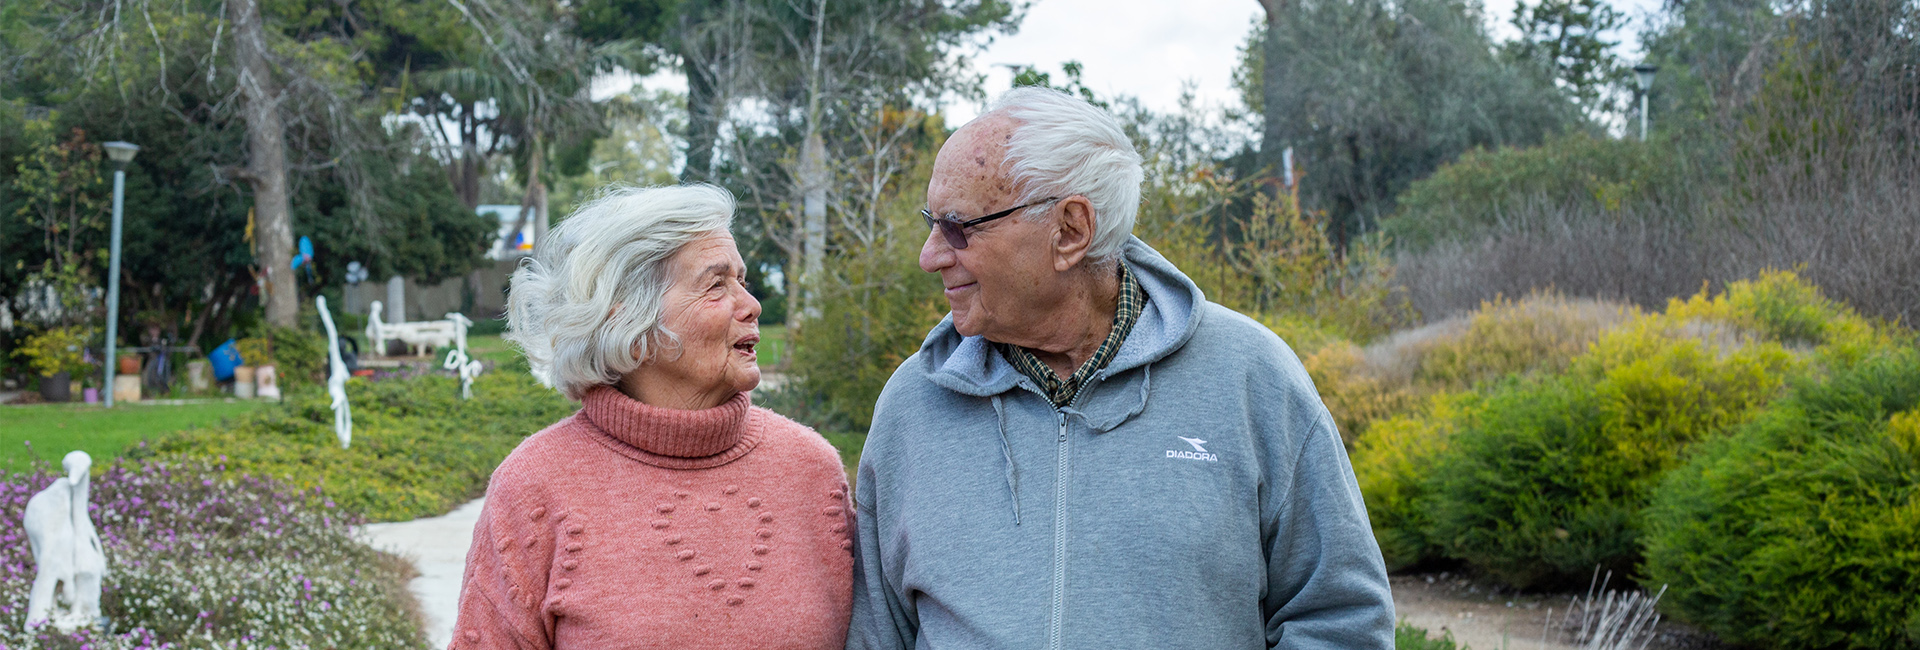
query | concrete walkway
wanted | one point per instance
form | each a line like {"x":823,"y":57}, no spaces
{"x":437,"y":546}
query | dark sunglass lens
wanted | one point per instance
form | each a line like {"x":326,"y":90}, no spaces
{"x":956,"y":236}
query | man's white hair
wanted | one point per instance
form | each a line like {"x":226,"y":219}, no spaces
{"x":587,"y":307}
{"x":1062,"y":146}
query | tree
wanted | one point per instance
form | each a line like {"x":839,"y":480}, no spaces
{"x":266,"y":168}
{"x":166,"y":74}
{"x":1568,"y":38}
{"x":840,"y":90}
{"x":1378,"y":94}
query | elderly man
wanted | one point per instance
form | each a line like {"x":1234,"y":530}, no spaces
{"x":1086,"y":453}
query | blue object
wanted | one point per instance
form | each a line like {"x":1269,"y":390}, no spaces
{"x":306,"y":253}
{"x":224,"y":359}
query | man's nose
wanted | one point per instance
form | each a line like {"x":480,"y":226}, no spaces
{"x":935,"y":254}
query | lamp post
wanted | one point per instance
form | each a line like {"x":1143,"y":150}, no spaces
{"x":1644,"y":74}
{"x":121,"y":153}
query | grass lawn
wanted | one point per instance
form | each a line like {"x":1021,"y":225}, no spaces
{"x":490,"y":347}
{"x":55,"y":429}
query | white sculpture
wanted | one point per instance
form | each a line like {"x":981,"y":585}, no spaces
{"x":337,"y":376}
{"x":419,"y":335}
{"x":66,"y":551}
{"x":469,"y":368}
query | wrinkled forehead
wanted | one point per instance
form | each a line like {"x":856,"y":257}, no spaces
{"x":971,"y":170}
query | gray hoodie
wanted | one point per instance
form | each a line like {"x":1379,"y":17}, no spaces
{"x":1194,"y":495}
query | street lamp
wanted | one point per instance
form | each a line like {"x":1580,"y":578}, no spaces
{"x":121,"y":153}
{"x":1644,"y":74}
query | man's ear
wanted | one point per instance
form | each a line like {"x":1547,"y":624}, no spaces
{"x":1073,"y":233}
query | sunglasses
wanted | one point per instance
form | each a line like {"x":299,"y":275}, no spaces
{"x":956,"y":231}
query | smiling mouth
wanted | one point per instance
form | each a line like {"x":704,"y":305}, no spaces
{"x":746,"y":345}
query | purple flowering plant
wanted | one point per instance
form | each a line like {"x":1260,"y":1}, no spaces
{"x":201,"y":559}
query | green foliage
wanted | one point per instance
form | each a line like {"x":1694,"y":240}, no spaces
{"x":1568,"y":37}
{"x":1550,"y":483}
{"x":59,"y":183}
{"x":1276,"y":263}
{"x":1538,"y":479}
{"x":1032,"y":76}
{"x":1467,"y":198}
{"x":1392,"y":463}
{"x":875,"y":310}
{"x":1539,"y":334}
{"x":418,"y":450}
{"x":57,"y":350}
{"x":1374,"y":95}
{"x":1406,"y":636}
{"x":1802,"y":530}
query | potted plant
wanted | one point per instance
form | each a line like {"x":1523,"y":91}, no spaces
{"x":57,"y":356}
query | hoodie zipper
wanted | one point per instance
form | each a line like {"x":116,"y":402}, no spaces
{"x":1059,"y":537}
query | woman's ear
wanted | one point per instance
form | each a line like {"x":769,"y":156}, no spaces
{"x":1073,"y":233}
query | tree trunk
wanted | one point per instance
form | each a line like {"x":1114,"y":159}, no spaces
{"x":703,"y":125}
{"x":813,"y":188}
{"x":266,"y":167}
{"x":1273,"y":84}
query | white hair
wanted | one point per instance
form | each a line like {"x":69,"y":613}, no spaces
{"x":587,"y":307}
{"x":1064,"y":146}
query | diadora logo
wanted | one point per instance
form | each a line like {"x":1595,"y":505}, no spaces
{"x":1199,"y":452}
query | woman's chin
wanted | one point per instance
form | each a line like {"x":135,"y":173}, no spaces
{"x":747,"y":379}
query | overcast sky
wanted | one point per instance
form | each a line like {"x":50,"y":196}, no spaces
{"x":1148,"y":48}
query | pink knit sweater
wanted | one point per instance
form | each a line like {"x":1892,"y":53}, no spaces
{"x":630,"y":526}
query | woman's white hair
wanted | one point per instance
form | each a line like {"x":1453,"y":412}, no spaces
{"x":1064,"y":146}
{"x":587,"y":307}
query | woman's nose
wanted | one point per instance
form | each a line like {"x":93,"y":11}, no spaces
{"x":752,"y":304}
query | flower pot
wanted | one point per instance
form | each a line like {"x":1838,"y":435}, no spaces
{"x":92,"y":394}
{"x":266,"y":383}
{"x":129,"y":365}
{"x":243,"y":382}
{"x":57,"y":387}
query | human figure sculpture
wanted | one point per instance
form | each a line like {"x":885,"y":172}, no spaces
{"x":66,"y":551}
{"x":337,"y":375}
{"x":467,"y":367}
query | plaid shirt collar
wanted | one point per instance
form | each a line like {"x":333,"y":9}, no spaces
{"x":1061,"y":392}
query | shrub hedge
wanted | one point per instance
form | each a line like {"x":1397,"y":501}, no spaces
{"x":1803,"y":529}
{"x":1486,"y":188}
{"x":1541,"y":333}
{"x":418,"y":449}
{"x":1538,"y":479}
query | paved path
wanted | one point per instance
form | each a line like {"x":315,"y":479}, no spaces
{"x":437,"y":546}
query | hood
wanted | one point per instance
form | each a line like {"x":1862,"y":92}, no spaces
{"x":969,"y":365}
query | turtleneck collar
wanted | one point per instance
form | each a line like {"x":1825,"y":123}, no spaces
{"x":673,"y":438}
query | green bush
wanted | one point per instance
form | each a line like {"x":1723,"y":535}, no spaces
{"x":1539,"y":334}
{"x":874,"y":309}
{"x":1550,"y":481}
{"x":1392,"y":463}
{"x":1802,"y":530}
{"x":1485,"y":188}
{"x":1407,"y":636}
{"x":418,"y":449}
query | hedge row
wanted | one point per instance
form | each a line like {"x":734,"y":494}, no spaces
{"x":418,"y":449}
{"x":1538,"y":477}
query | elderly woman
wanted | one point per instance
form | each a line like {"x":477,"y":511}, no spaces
{"x":669,"y":512}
